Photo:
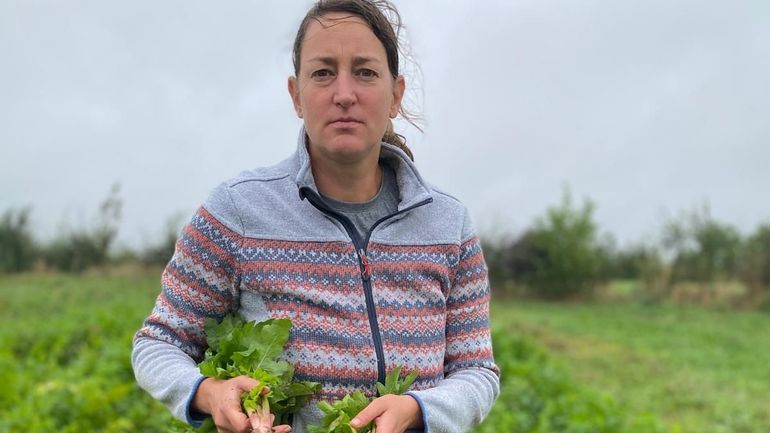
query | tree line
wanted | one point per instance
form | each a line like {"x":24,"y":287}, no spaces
{"x":561,"y":255}
{"x":76,"y":249}
{"x":564,"y":254}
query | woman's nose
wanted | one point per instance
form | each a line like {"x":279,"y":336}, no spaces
{"x":344,"y":92}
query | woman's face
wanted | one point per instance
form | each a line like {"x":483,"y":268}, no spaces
{"x":344,"y":90}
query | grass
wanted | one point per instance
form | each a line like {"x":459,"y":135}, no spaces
{"x":699,"y":370}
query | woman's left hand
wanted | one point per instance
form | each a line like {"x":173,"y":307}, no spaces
{"x":391,"y":414}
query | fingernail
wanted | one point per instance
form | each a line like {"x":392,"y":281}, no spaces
{"x":355,"y":422}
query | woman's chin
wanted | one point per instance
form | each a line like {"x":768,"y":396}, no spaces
{"x":349,"y":149}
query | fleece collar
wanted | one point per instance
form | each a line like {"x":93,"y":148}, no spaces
{"x":411,"y":186}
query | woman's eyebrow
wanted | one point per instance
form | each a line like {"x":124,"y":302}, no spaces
{"x":332,"y":61}
{"x":362,"y":60}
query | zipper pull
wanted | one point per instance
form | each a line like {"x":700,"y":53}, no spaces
{"x":367,"y":272}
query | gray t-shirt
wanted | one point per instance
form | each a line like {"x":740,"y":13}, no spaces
{"x":364,"y":215}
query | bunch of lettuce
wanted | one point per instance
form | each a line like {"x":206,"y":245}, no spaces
{"x":338,"y":414}
{"x":241,"y":348}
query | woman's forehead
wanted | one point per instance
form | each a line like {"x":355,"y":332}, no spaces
{"x":335,"y":20}
{"x":335,"y":31}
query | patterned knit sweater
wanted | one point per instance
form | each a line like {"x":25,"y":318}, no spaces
{"x":414,"y":293}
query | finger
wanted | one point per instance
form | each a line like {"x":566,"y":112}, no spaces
{"x":237,"y":421}
{"x":244,"y":383}
{"x":370,"y":412}
{"x":385,"y":424}
{"x":387,"y":420}
{"x":284,"y":428}
{"x":224,"y":430}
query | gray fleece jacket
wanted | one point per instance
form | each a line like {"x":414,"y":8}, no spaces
{"x":413,"y":292}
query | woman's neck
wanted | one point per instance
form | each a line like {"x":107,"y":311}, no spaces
{"x":354,"y":183}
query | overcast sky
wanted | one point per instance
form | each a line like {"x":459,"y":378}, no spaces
{"x":647,"y":107}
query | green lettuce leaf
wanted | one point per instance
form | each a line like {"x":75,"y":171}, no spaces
{"x":238,"y":347}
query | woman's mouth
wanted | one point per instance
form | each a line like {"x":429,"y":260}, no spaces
{"x":345,"y":122}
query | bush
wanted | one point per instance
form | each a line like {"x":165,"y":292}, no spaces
{"x":78,"y":249}
{"x":509,"y":259}
{"x":161,"y":251}
{"x":17,"y":247}
{"x":755,"y":271}
{"x":641,"y":263}
{"x":561,"y":255}
{"x":633,"y":262}
{"x":703,"y":249}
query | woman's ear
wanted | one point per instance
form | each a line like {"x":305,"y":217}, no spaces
{"x":294,"y":93}
{"x":399,"y":86}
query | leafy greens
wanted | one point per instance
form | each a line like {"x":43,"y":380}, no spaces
{"x":236,"y":348}
{"x":338,"y":414}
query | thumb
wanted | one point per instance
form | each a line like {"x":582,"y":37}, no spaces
{"x":244,"y":383}
{"x":370,"y":412}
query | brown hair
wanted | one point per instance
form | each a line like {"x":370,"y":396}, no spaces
{"x":385,"y":22}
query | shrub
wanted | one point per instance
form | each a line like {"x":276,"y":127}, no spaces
{"x":755,"y":271}
{"x":78,"y":249}
{"x":509,"y":259}
{"x":561,"y":255}
{"x":160,"y":252}
{"x":17,"y":247}
{"x":632,"y":262}
{"x":703,"y":250}
{"x":641,"y":263}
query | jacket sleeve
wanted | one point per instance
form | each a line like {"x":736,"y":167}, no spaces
{"x":471,"y":381}
{"x":199,"y":282}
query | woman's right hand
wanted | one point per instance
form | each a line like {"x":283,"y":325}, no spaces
{"x":222,"y":400}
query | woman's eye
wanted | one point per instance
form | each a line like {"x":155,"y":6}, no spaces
{"x":321,"y":73}
{"x":367,"y":73}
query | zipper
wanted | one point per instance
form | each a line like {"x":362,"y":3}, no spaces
{"x":371,"y":229}
{"x":364,"y":265}
{"x":366,"y":274}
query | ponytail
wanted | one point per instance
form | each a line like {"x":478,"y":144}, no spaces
{"x":396,"y":139}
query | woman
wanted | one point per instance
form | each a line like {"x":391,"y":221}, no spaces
{"x":375,"y":267}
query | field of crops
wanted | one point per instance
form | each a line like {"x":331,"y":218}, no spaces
{"x":65,"y":354}
{"x":699,"y":370}
{"x":65,"y":345}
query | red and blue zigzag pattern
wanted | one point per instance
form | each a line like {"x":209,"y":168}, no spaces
{"x":431,"y":303}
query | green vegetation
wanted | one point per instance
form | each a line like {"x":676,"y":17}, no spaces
{"x":699,"y":370}
{"x":563,"y":256}
{"x":241,"y":348}
{"x":339,"y":413}
{"x":337,"y":416}
{"x":704,"y":249}
{"x":65,"y":341}
{"x":640,"y":354}
{"x":65,"y":346}
{"x":560,"y":256}
{"x":17,"y":246}
{"x":539,"y":395}
{"x":77,"y":249}
{"x":755,"y":269}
